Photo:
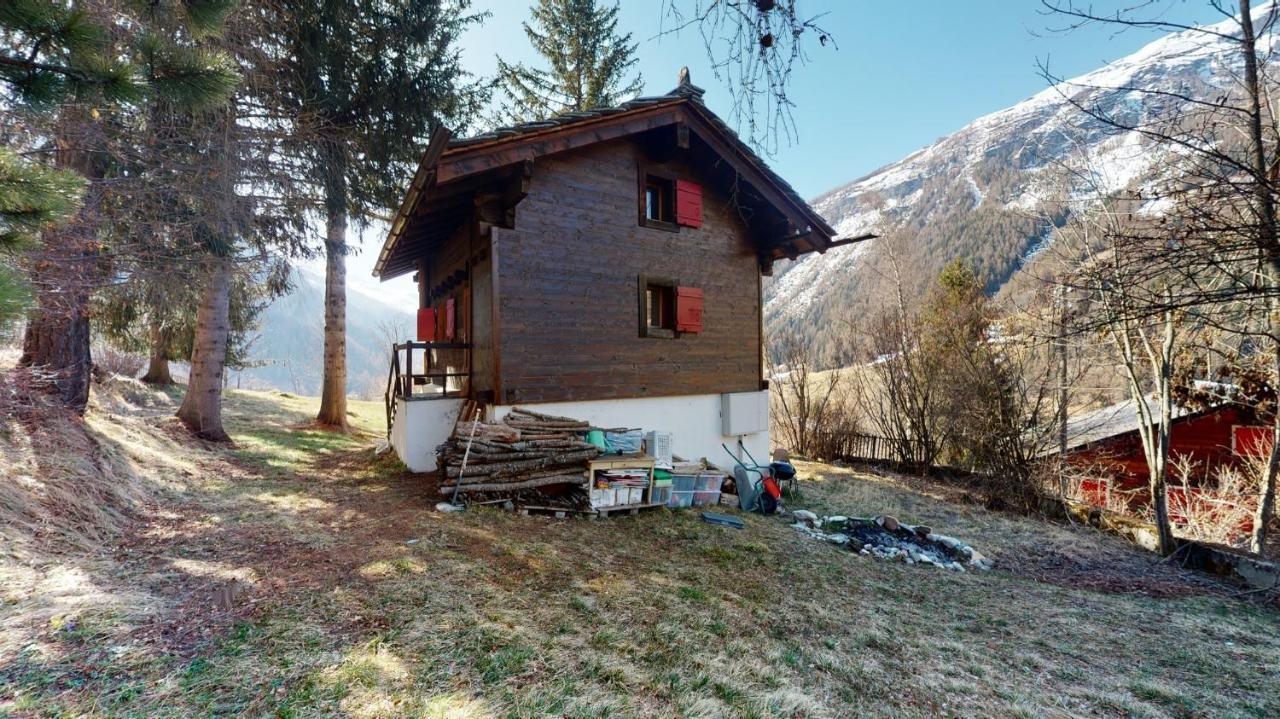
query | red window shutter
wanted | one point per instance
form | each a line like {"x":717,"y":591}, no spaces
{"x":450,"y":319}
{"x":1250,"y":441}
{"x":426,"y":324}
{"x":688,"y":309}
{"x":688,"y":203}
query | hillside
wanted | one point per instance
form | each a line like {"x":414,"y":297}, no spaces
{"x":298,"y":574}
{"x":291,"y":340}
{"x":990,"y":193}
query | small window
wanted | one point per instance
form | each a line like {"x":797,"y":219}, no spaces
{"x":657,"y":305}
{"x":658,"y":201}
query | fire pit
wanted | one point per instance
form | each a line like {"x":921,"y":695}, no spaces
{"x":884,"y":537}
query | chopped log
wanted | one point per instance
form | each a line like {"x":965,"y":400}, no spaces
{"x":485,"y":430}
{"x":543,"y":417}
{"x":527,"y":484}
{"x":509,"y":468}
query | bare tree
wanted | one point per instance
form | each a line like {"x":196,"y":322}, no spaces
{"x":1220,"y":252}
{"x":807,"y":409}
{"x":753,"y":46}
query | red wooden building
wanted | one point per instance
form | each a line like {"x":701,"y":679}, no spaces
{"x":1107,"y":446}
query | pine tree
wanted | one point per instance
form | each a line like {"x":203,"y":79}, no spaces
{"x":48,"y":53}
{"x":588,"y":63}
{"x":368,"y":80}
{"x":32,"y":197}
{"x":65,"y":65}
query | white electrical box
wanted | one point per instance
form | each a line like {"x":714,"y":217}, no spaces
{"x":744,"y":413}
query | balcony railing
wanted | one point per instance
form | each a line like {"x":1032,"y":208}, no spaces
{"x":427,"y":370}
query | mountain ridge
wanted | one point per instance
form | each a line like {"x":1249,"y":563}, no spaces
{"x":992,"y":192}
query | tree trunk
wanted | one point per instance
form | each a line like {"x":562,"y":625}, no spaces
{"x":1267,"y":492}
{"x":1160,"y":467}
{"x":333,"y":391}
{"x":63,"y":269}
{"x":201,"y":409}
{"x":1269,"y":235}
{"x":56,"y":345}
{"x":157,"y":362}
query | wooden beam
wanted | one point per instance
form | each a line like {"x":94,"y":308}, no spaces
{"x":682,"y":135}
{"x":499,"y":153}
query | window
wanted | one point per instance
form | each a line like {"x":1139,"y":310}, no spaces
{"x":657,"y":305}
{"x":657,"y":201}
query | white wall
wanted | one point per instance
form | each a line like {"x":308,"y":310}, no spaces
{"x":420,"y":426}
{"x":693,"y":420}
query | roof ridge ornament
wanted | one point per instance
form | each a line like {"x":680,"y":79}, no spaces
{"x":686,"y":88}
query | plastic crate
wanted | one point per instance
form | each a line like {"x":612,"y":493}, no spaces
{"x":708,"y":482}
{"x":660,"y":495}
{"x":680,"y":499}
{"x":658,"y":445}
{"x":683,"y":482}
{"x":702,"y":499}
{"x":603,"y":497}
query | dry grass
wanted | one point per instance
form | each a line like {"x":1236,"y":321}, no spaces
{"x":299,"y":576}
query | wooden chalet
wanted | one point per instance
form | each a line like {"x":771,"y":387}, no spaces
{"x":604,"y":265}
{"x":1106,"y":446}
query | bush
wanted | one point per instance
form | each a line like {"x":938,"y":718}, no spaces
{"x":108,"y":361}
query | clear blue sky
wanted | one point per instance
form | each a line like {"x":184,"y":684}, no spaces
{"x":904,"y":74}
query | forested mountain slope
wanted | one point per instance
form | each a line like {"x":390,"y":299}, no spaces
{"x":288,"y":351}
{"x":992,"y":192}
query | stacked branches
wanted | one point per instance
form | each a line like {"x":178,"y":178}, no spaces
{"x":526,"y":451}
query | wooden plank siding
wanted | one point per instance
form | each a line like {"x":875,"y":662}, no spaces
{"x":568,"y":274}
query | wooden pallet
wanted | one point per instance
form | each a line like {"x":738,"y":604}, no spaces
{"x":629,"y":509}
{"x":557,"y":512}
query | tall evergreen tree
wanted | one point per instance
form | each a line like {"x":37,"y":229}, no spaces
{"x":48,"y":53}
{"x":86,"y":67}
{"x":588,"y":62}
{"x":368,"y":80}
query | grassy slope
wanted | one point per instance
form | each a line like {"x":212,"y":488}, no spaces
{"x":299,"y":575}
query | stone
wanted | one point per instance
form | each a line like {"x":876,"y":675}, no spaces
{"x":838,"y":538}
{"x":921,"y":530}
{"x":804,"y":515}
{"x":978,"y":561}
{"x":890,"y":524}
{"x":944,"y":540}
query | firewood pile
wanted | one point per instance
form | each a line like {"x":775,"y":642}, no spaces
{"x":527,"y":451}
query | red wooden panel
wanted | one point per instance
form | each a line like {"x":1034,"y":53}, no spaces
{"x":1250,"y":441}
{"x":688,"y":309}
{"x":688,"y":203}
{"x":450,"y":319}
{"x":426,"y":324}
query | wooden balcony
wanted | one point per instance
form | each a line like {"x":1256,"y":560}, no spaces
{"x":427,"y":371}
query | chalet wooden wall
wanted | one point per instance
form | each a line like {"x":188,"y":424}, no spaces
{"x":567,"y":276}
{"x":1204,"y":439}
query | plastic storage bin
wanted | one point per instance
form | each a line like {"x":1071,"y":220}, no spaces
{"x":683,"y":482}
{"x":680,"y":499}
{"x":603,"y":497}
{"x":708,"y":482}
{"x":628,"y":442}
{"x":702,"y":499}
{"x":660,"y":495}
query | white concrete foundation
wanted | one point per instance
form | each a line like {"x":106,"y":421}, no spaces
{"x":693,"y":420}
{"x":419,"y":427}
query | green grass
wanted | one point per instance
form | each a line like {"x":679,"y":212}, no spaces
{"x":358,"y":600}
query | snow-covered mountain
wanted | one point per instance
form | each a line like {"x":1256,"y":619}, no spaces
{"x":992,"y":192}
